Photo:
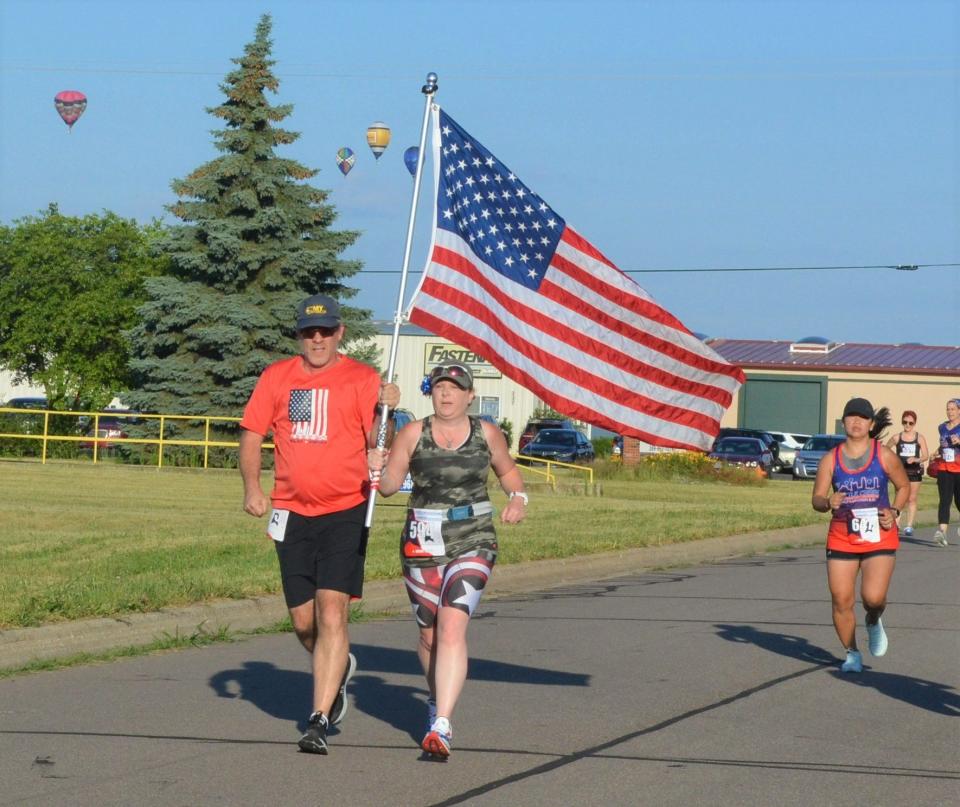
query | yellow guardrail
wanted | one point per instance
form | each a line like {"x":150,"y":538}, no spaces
{"x":95,"y":441}
{"x":547,"y":473}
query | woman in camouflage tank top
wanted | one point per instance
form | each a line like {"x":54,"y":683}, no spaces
{"x":449,"y":544}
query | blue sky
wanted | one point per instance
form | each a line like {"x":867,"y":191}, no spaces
{"x":673,"y":135}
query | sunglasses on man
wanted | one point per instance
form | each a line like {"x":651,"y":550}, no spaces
{"x":322,"y":330}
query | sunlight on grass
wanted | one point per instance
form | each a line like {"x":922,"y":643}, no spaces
{"x":81,"y":541}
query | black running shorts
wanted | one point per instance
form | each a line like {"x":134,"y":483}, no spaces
{"x":323,"y":552}
{"x":839,"y":554}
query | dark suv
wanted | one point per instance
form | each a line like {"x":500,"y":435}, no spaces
{"x":768,"y":439}
{"x":534,"y":425}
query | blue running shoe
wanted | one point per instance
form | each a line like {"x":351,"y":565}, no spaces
{"x":853,"y":663}
{"x":878,"y":638}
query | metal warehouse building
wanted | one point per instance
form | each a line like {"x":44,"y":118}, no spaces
{"x":802,"y":386}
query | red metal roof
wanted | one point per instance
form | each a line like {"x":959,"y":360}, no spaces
{"x":758,"y":354}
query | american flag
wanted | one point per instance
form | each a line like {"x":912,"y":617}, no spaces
{"x":510,"y":280}
{"x":307,"y":412}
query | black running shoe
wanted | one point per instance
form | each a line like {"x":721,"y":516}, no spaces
{"x":314,"y":739}
{"x":339,"y":709}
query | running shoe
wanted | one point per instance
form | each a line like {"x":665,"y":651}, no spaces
{"x":940,"y":538}
{"x":878,"y":638}
{"x":339,"y":709}
{"x":437,"y":740}
{"x":853,"y":663}
{"x":314,"y":739}
{"x":908,"y":532}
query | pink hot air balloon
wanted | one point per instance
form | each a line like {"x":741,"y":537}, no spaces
{"x":70,"y":104}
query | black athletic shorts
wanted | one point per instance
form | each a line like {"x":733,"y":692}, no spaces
{"x":323,"y":552}
{"x":839,"y":554}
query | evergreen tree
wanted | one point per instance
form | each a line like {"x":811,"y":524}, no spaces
{"x":256,"y":240}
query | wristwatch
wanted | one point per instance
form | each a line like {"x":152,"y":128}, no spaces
{"x":522,"y":495}
{"x":896,"y":510}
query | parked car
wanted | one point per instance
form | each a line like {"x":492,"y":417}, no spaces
{"x":749,"y":452}
{"x":534,"y":425}
{"x":110,"y":425}
{"x":808,"y":457}
{"x":400,"y":418}
{"x":563,"y":445}
{"x":789,"y":443}
{"x":768,"y":440}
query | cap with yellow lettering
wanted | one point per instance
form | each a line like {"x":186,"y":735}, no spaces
{"x":318,"y":311}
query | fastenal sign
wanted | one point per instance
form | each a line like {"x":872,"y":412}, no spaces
{"x":435,"y":353}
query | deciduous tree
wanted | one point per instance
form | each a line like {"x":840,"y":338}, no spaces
{"x":69,"y":288}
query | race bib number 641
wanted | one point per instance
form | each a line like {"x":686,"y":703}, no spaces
{"x":865,"y":525}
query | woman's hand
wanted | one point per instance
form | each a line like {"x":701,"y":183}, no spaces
{"x":888,"y":517}
{"x":515,"y":511}
{"x":836,"y":499}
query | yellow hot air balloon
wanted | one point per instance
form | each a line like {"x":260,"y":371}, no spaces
{"x":378,"y":137}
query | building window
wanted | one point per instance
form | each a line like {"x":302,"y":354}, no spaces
{"x":490,"y":405}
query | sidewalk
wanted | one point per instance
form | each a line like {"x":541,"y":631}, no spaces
{"x":21,"y":646}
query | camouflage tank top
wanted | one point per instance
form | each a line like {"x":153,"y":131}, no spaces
{"x":444,"y":478}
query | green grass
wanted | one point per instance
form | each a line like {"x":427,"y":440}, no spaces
{"x":82,"y":541}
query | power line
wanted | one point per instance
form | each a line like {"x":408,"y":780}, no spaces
{"x":901,"y":266}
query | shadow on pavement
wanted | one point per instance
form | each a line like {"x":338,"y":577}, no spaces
{"x":929,"y":695}
{"x":287,"y":694}
{"x":782,"y":643}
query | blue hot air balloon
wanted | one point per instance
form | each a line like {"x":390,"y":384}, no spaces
{"x":410,"y":158}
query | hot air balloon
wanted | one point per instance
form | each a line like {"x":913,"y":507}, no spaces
{"x":345,"y":160}
{"x":70,"y":104}
{"x":378,"y":138}
{"x":410,"y":158}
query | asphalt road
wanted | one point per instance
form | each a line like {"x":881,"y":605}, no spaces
{"x":715,"y":684}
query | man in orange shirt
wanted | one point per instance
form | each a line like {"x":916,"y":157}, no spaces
{"x":321,"y":408}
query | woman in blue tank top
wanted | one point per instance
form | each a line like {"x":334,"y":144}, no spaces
{"x":862,"y":538}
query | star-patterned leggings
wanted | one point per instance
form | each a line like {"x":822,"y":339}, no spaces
{"x":457,"y":584}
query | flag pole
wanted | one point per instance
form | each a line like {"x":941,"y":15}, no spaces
{"x":428,"y":89}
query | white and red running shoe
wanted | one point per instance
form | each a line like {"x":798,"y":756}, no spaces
{"x":437,"y":741}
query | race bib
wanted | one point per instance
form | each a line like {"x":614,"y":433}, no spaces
{"x":949,"y":454}
{"x":908,"y":449}
{"x":277,"y":525}
{"x":423,"y":534}
{"x":864,"y":523}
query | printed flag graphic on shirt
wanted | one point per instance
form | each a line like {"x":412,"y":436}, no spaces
{"x":509,"y":279}
{"x":308,"y":414}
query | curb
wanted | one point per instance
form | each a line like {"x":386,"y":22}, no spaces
{"x":24,"y":645}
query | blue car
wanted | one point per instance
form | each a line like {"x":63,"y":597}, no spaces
{"x":562,"y":445}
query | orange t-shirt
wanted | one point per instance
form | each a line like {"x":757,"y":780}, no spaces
{"x":320,"y":421}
